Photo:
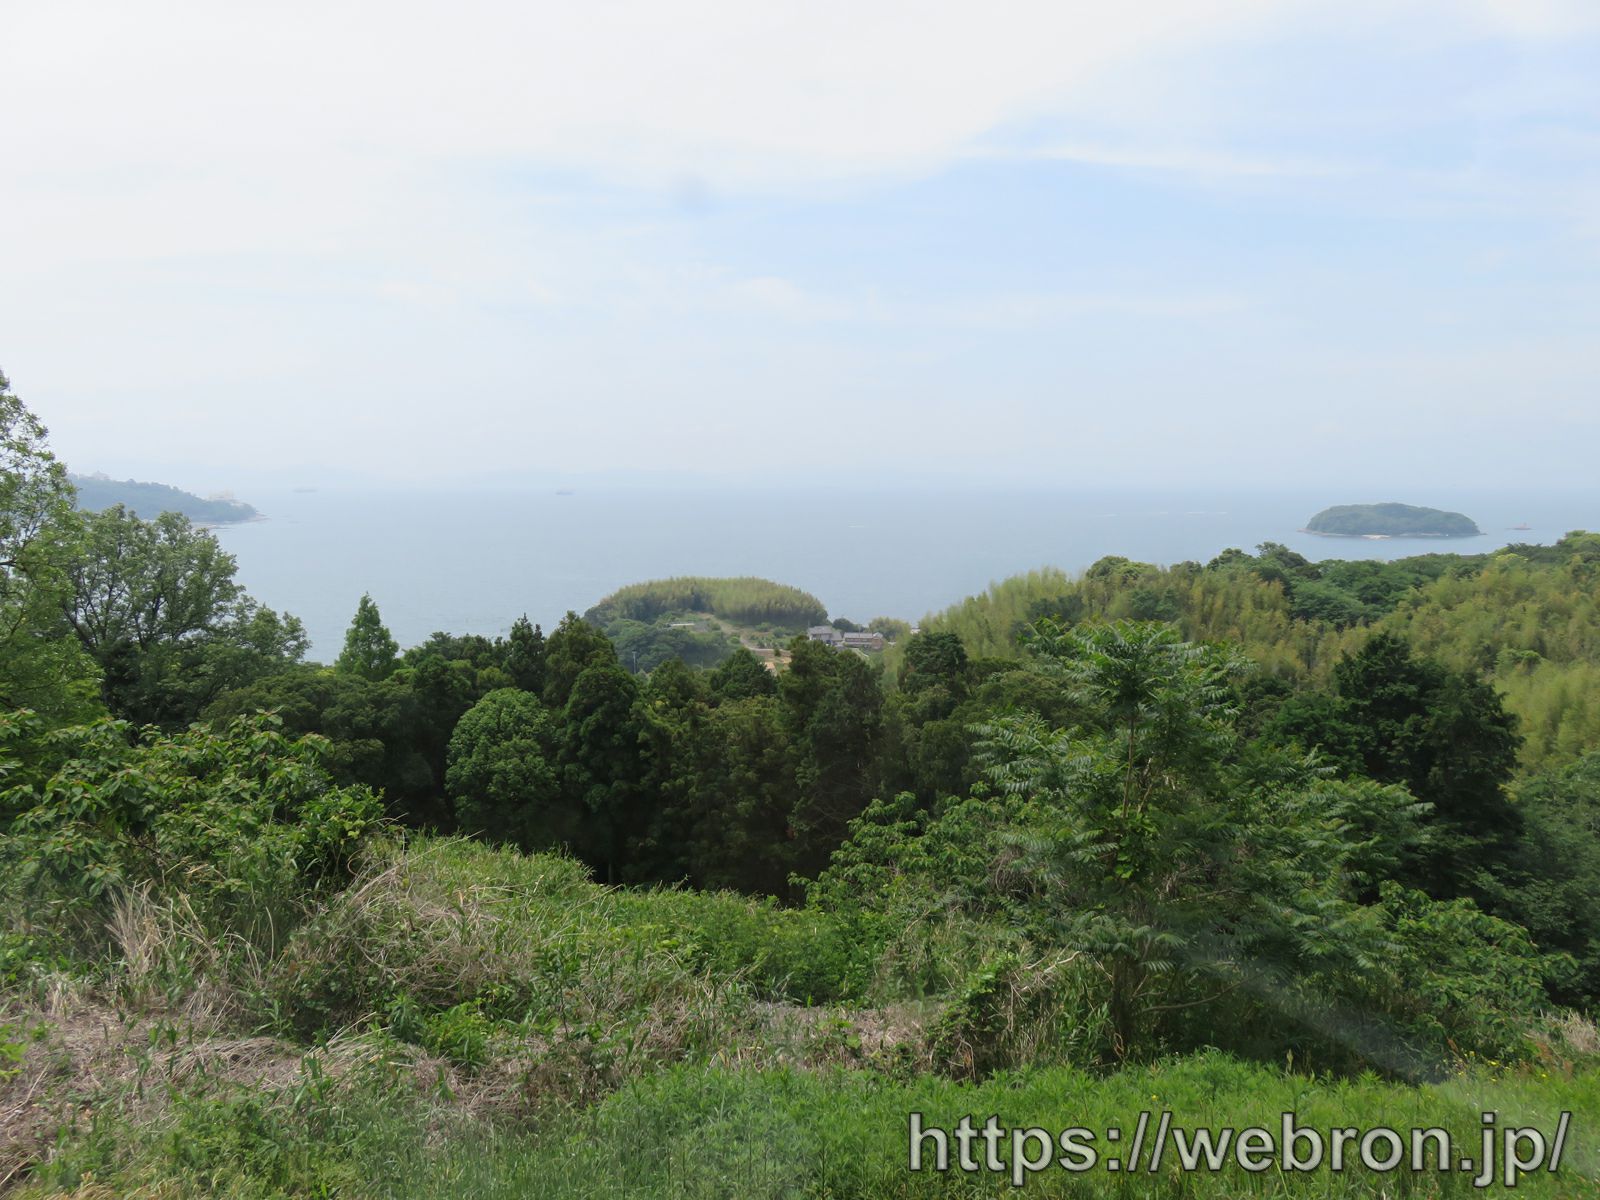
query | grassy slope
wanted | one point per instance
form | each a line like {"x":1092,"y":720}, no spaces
{"x":502,"y":1027}
{"x":689,"y":1132}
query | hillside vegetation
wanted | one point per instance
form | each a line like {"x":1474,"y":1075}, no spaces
{"x":1525,"y":618}
{"x":745,"y":601}
{"x":498,"y":1026}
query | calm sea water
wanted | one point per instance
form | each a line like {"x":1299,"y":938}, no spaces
{"x":471,"y":562}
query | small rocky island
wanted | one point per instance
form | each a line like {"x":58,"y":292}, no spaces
{"x":1391,"y":520}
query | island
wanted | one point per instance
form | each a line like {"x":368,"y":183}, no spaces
{"x":704,"y":620}
{"x":1391,"y":520}
{"x":98,"y":491}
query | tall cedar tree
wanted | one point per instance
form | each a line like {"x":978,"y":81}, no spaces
{"x":370,"y":651}
{"x":524,"y":656}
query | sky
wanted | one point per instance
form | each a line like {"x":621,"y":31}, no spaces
{"x":1057,"y":244}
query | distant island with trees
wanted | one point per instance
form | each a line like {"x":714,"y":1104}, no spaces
{"x":704,"y":621}
{"x":1391,"y":520}
{"x":747,"y":600}
{"x":149,"y":500}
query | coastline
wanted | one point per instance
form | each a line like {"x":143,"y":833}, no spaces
{"x":250,"y":520}
{"x":1391,"y":537}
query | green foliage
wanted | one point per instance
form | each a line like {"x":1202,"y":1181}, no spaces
{"x":477,"y":651}
{"x":696,"y":1132}
{"x":1453,"y":976}
{"x":1181,"y":885}
{"x":1531,"y":623}
{"x":892,"y":628}
{"x":804,"y":955}
{"x":575,"y":646}
{"x":742,"y":676}
{"x":42,"y":666}
{"x":1397,"y":718}
{"x":1524,"y":619}
{"x":1219,"y":603}
{"x":644,"y":647}
{"x":1550,"y":883}
{"x":156,"y":606}
{"x":600,"y":763}
{"x":381,"y":735}
{"x":1134,"y":812}
{"x":460,"y":1033}
{"x":683,"y":619}
{"x":370,"y":650}
{"x":313,"y":1137}
{"x":531,"y":941}
{"x":833,"y":707}
{"x":1102,"y":846}
{"x":723,"y":777}
{"x":933,"y":659}
{"x":502,"y":775}
{"x":145,"y":583}
{"x":524,"y":656}
{"x":746,"y":601}
{"x":243,"y":821}
{"x":1012,"y":1011}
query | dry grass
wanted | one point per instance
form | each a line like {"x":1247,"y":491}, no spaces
{"x":533,"y":938}
{"x":96,"y":1056}
{"x":573,"y":990}
{"x":89,"y":1054}
{"x":1023,"y":1012}
{"x":1570,"y":1035}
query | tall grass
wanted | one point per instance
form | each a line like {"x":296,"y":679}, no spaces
{"x":694,"y":1132}
{"x":492,"y":1024}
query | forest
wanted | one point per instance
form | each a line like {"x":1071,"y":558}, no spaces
{"x":528,"y":915}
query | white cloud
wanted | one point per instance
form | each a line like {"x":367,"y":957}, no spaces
{"x":154,"y":128}
{"x":1005,"y":310}
{"x":338,"y":213}
{"x":1539,"y":18}
{"x":1196,"y":161}
{"x":642,"y":89}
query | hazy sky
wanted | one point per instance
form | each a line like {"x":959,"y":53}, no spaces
{"x":1178,"y":240}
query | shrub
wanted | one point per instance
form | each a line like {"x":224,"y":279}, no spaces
{"x":241,"y":821}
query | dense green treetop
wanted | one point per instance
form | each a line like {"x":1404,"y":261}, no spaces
{"x":181,"y":581}
{"x":741,"y":676}
{"x":156,"y":606}
{"x":524,"y":655}
{"x":502,"y":773}
{"x":1525,"y":618}
{"x":41,"y":665}
{"x":746,"y":601}
{"x":1391,"y":520}
{"x":575,"y":646}
{"x":370,"y":650}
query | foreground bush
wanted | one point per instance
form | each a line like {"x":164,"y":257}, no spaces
{"x":239,"y":825}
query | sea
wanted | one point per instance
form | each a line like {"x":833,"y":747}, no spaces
{"x":473,"y":561}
